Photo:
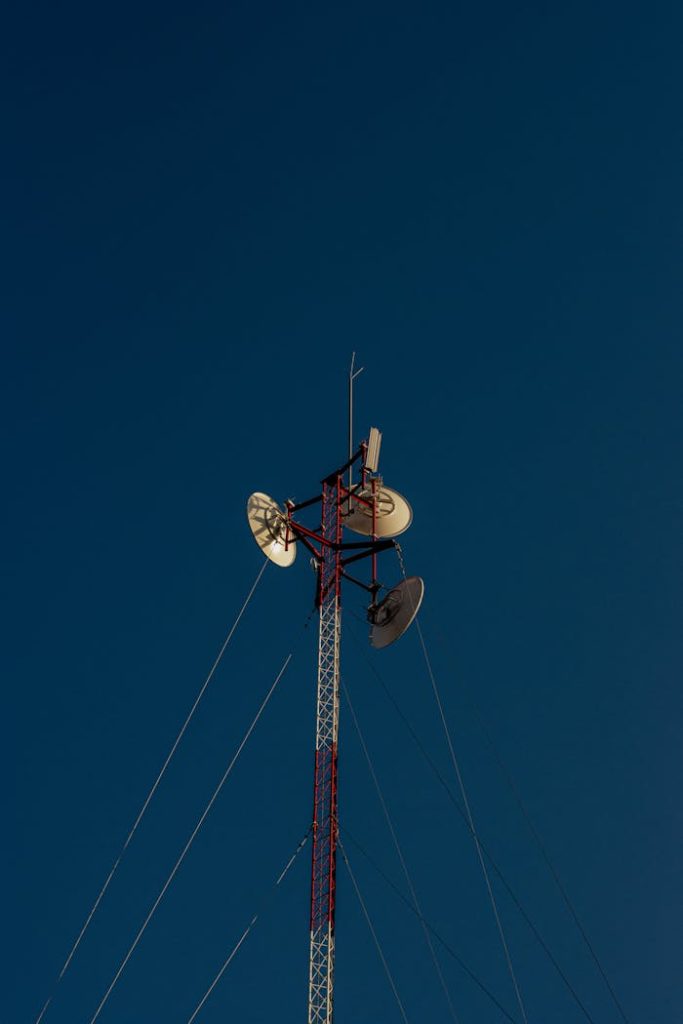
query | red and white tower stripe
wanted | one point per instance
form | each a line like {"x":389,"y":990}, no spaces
{"x":325,"y":820}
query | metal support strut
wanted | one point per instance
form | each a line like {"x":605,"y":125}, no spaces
{"x":325,"y":819}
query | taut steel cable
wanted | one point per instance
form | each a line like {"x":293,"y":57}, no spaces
{"x":150,"y":794}
{"x":470,"y":818}
{"x":402,"y":861}
{"x":487,"y":853}
{"x":236,"y":947}
{"x":190,"y":841}
{"x":370,"y":925}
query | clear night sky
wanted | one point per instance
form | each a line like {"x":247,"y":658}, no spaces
{"x":205,"y":210}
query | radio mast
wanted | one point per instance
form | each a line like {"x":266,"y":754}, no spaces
{"x":379,"y":514}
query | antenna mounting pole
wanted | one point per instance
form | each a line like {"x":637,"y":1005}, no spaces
{"x":352,"y":376}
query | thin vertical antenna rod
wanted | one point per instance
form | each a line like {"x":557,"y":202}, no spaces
{"x":352,"y":376}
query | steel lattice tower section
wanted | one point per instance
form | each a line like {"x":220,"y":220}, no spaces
{"x":278,"y":534}
{"x":325,"y":819}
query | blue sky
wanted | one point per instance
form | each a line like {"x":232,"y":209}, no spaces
{"x":205,"y":212}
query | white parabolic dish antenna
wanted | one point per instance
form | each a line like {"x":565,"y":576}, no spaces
{"x":394,"y":614}
{"x":394,"y":514}
{"x":269,"y":525}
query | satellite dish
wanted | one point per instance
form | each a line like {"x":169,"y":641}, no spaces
{"x":394,"y":514}
{"x":269,"y":525}
{"x":392,"y":616}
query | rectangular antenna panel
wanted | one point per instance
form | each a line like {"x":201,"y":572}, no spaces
{"x":374,"y":444}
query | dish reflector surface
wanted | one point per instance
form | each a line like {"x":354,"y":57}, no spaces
{"x":394,"y":514}
{"x":394,"y":614}
{"x":269,"y":526}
